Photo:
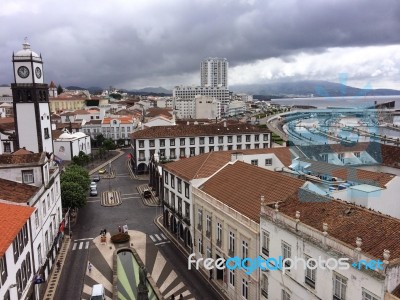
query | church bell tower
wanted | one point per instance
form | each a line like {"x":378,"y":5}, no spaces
{"x":31,"y":102}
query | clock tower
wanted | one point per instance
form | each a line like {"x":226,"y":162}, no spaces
{"x":31,"y":102}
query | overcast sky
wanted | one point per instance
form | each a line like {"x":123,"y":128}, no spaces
{"x":134,"y":44}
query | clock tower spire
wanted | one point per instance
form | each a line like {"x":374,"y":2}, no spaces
{"x":31,"y":102}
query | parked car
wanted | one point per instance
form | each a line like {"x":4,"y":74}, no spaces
{"x":146,"y":194}
{"x":93,"y":185}
{"x":93,"y":192}
{"x":96,"y":178}
{"x":102,"y":171}
{"x":97,"y":292}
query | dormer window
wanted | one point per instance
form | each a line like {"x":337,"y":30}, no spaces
{"x":115,"y":122}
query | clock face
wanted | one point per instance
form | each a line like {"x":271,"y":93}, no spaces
{"x":23,"y":72}
{"x":38,"y":73}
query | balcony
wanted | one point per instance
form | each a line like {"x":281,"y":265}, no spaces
{"x":310,"y":282}
{"x":264,"y":293}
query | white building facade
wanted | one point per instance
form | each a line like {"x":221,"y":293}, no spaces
{"x":214,"y":72}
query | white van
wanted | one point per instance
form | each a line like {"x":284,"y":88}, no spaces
{"x":97,"y":292}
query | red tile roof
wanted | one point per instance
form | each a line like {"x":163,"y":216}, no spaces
{"x":240,"y":185}
{"x":196,"y":130}
{"x":346,"y":222}
{"x":16,"y":192}
{"x":156,"y":111}
{"x":204,"y":165}
{"x":20,"y":158}
{"x":121,"y":119}
{"x":12,"y":220}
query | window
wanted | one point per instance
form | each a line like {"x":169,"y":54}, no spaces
{"x":172,"y":181}
{"x":3,"y":269}
{"x":229,"y":139}
{"x":247,"y":138}
{"x":211,"y":140}
{"x":182,"y":152}
{"x":162,"y":153}
{"x":339,"y":287}
{"x":254,"y":162}
{"x":219,"y":234}
{"x":256,"y":137}
{"x":285,"y":295}
{"x":46,"y":133}
{"x":201,"y":141}
{"x":209,"y":254}
{"x":211,"y":148}
{"x":265,"y":145}
{"x":239,"y":138}
{"x":162,"y":143}
{"x":141,"y":144}
{"x":232,"y":277}
{"x":39,"y":253}
{"x":310,"y":272}
{"x":191,"y":141}
{"x":27,"y":176}
{"x":366,"y":295}
{"x":7,"y":147}
{"x":357,"y":154}
{"x":248,"y":146}
{"x":265,"y":137}
{"x":265,"y":243}
{"x":200,"y":246}
{"x":152,"y":143}
{"x":179,"y":185}
{"x":44,"y":207}
{"x":245,"y":250}
{"x":172,"y":142}
{"x":200,"y":217}
{"x":173,"y":200}
{"x":172,"y":153}
{"x":245,"y":289}
{"x":182,"y":142}
{"x":201,"y":150}
{"x":286,"y":253}
{"x":239,"y":147}
{"x":187,"y":210}
{"x":37,"y":219}
{"x":166,"y":177}
{"x":192,"y":151}
{"x":208,"y":226}
{"x":187,"y":190}
{"x":268,"y":161}
{"x":179,"y":206}
{"x":220,"y":140}
{"x":264,"y":286}
{"x":231,"y":243}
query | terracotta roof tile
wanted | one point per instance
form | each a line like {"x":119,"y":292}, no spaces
{"x":20,"y":158}
{"x":121,"y":119}
{"x":81,"y":112}
{"x":156,"y":111}
{"x":196,"y":130}
{"x":204,"y":165}
{"x":16,"y":192}
{"x":12,"y":219}
{"x":346,"y":222}
{"x":56,"y":133}
{"x":68,"y":125}
{"x":52,"y":84}
{"x":240,"y":185}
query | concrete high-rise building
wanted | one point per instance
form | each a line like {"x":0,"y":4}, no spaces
{"x":214,"y":72}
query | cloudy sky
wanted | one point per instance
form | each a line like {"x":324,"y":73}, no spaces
{"x":139,"y":43}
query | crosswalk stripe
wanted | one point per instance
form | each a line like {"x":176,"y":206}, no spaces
{"x":160,"y":243}
{"x":163,"y":236}
{"x":73,"y":248}
{"x":158,"y":238}
{"x":80,"y":245}
{"x":87,"y":245}
{"x":152,"y":238}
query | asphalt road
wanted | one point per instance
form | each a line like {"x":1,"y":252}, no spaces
{"x":94,"y":217}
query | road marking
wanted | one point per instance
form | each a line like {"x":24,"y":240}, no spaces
{"x":92,"y":201}
{"x":73,"y":248}
{"x":160,"y":243}
{"x":87,"y":245}
{"x":125,"y":198}
{"x":163,"y":236}
{"x":152,"y":238}
{"x":157,"y":236}
{"x":80,"y":245}
{"x":130,"y":194}
{"x":86,"y":239}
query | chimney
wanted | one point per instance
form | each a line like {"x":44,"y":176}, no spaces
{"x":224,"y":123}
{"x":262,"y":199}
{"x":236,"y":156}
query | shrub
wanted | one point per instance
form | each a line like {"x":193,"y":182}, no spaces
{"x":120,"y":238}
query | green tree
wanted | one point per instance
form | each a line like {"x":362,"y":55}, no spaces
{"x":72,"y":195}
{"x":100,"y":140}
{"x":116,"y":96}
{"x":109,"y":144}
{"x":102,"y":152}
{"x":60,"y":90}
{"x":77,"y":174}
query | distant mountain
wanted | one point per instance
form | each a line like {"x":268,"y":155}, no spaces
{"x":72,"y":87}
{"x":156,"y":90}
{"x":307,"y":88}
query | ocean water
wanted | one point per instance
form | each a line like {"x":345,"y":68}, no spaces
{"x":323,"y":102}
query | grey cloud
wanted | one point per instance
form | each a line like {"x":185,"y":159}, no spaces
{"x":87,"y":44}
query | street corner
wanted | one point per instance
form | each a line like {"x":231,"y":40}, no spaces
{"x":111,"y":198}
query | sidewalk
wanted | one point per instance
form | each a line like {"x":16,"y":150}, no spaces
{"x":185,"y":252}
{"x":55,"y":274}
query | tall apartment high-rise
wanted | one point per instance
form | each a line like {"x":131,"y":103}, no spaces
{"x":214,"y":72}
